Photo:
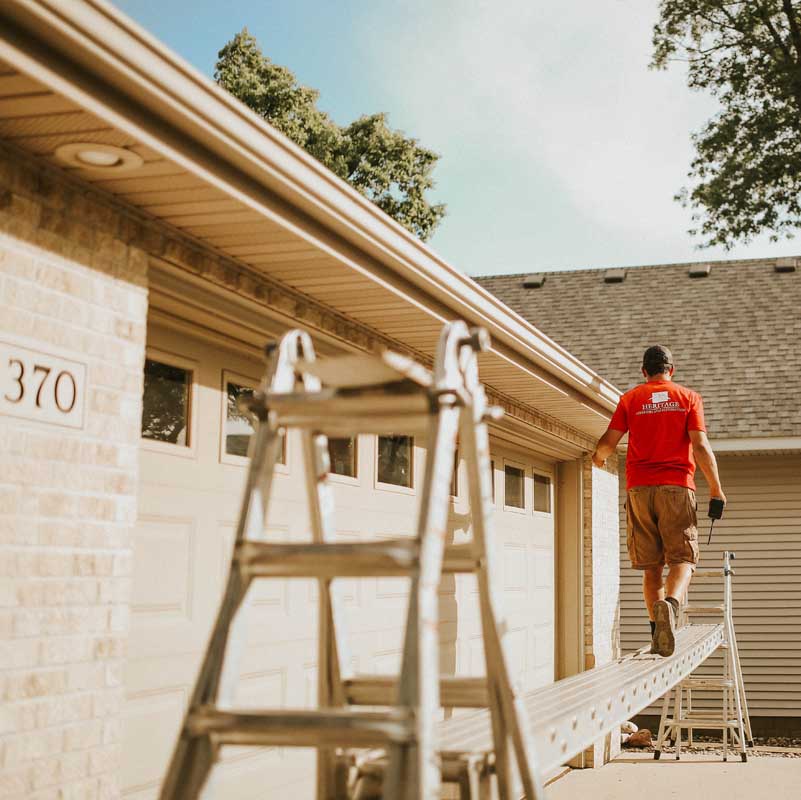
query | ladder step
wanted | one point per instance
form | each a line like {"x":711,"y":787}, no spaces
{"x":302,"y":728}
{"x":346,"y":414}
{"x":356,"y":371}
{"x":388,"y":557}
{"x":708,"y":574}
{"x":381,"y":690}
{"x":327,"y":560}
{"x":703,"y":609}
{"x":708,"y":683}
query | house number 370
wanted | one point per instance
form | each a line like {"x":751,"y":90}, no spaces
{"x":39,"y":386}
{"x":62,"y":390}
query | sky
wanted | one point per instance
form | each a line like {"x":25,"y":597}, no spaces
{"x":559,"y":148}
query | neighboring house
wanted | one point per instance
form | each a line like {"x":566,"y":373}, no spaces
{"x":734,"y":328}
{"x":154,"y":234}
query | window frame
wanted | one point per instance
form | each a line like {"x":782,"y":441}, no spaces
{"x":524,"y":468}
{"x":229,"y":376}
{"x":543,"y":474}
{"x":348,"y":480}
{"x":394,"y":487}
{"x":191,"y":366}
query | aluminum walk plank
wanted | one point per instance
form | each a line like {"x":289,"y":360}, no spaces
{"x":566,"y":717}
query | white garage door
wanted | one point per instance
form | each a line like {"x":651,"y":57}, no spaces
{"x":190,"y":482}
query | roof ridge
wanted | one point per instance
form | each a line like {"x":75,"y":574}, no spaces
{"x":731,"y":262}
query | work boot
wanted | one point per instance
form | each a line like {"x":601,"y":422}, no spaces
{"x":664,"y":641}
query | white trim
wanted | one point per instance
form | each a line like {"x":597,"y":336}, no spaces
{"x":191,"y":366}
{"x":747,"y":445}
{"x":348,"y":480}
{"x":526,"y":488}
{"x":541,"y":473}
{"x":395,"y":487}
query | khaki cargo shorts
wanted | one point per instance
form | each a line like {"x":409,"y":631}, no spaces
{"x":661,"y":526}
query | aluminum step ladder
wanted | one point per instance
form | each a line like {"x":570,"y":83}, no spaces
{"x":732,"y":719}
{"x":363,"y":394}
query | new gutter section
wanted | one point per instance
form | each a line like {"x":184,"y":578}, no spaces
{"x":116,"y":51}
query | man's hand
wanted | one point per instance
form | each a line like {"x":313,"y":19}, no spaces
{"x":718,"y":493}
{"x":606,"y":446}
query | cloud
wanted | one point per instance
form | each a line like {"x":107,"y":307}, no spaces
{"x":555,"y":93}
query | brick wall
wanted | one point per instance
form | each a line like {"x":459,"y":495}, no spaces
{"x":71,"y":284}
{"x":601,"y":582}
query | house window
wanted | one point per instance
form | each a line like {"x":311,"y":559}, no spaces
{"x":542,"y":493}
{"x":395,"y":460}
{"x":238,"y":427}
{"x":166,"y":403}
{"x":342,"y":454}
{"x":514,"y":487}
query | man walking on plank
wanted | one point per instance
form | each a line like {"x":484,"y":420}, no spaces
{"x":667,"y":435}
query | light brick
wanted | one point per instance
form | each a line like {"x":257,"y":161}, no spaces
{"x":70,"y":284}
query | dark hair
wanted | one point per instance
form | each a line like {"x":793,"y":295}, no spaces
{"x":657,"y":359}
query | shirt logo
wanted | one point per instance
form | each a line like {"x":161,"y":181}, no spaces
{"x":659,"y":397}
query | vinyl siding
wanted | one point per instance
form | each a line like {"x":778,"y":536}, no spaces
{"x":762,"y":524}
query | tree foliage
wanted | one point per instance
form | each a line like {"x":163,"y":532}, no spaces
{"x":746,"y":172}
{"x":386,"y":166}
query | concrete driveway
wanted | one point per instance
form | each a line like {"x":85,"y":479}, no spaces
{"x":698,"y":776}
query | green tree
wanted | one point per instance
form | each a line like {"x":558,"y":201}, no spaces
{"x":390,"y":169}
{"x":746,"y":173}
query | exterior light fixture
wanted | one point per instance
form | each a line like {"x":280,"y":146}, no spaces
{"x":98,"y":157}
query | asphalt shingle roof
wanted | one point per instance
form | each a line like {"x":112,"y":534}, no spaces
{"x":735,"y":335}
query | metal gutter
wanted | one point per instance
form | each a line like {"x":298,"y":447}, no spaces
{"x":763,"y":444}
{"x":135,"y":77}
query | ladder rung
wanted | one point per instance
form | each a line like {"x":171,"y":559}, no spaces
{"x":689,"y":722}
{"x":708,"y":683}
{"x":388,"y":557}
{"x":380,"y":690}
{"x":327,"y":412}
{"x":459,"y":558}
{"x":355,"y":371}
{"x":327,"y":559}
{"x":703,"y":609}
{"x":708,"y":574}
{"x":302,"y":728}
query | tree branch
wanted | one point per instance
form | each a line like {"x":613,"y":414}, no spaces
{"x":795,"y":33}
{"x":775,"y":35}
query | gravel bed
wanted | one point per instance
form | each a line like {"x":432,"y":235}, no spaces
{"x":764,"y":747}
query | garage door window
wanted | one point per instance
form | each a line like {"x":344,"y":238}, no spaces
{"x":396,"y":460}
{"x":514,"y":487}
{"x":166,"y":403}
{"x":237,"y":424}
{"x":542,"y":493}
{"x":342,"y":453}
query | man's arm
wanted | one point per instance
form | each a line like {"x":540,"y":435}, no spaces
{"x":606,"y":446}
{"x":705,"y":458}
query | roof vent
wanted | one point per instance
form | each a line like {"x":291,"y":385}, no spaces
{"x":614,"y":276}
{"x":699,"y":270}
{"x":786,"y":265}
{"x":534,"y":281}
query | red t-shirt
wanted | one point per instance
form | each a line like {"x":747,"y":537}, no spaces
{"x":658,"y":416}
